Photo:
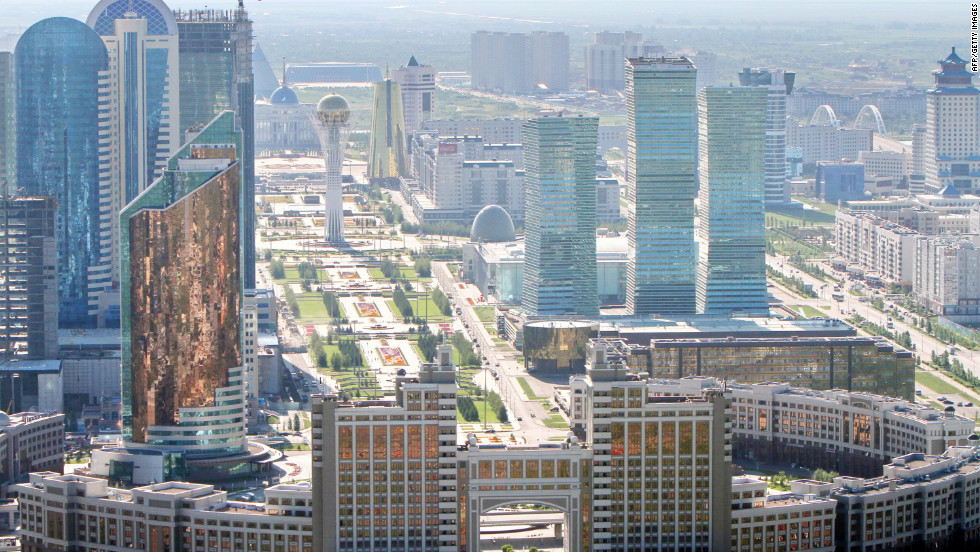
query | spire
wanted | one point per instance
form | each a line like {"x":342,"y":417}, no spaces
{"x":284,"y":70}
{"x":412,"y":62}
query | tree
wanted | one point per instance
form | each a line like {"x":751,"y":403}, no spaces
{"x":337,"y":361}
{"x":297,"y":425}
{"x":825,"y":475}
{"x":507,"y":548}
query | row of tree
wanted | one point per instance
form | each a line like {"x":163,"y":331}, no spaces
{"x":442,"y":302}
{"x":401,"y":301}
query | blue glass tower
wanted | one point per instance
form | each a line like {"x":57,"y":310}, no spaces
{"x":732,"y":174}
{"x":58,"y":61}
{"x":661,"y":126}
{"x":559,"y":204}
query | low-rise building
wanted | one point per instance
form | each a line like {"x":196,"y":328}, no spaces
{"x":781,"y":520}
{"x":73,"y":512}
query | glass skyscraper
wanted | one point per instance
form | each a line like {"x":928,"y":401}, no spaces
{"x":559,"y":223}
{"x":215,"y":75}
{"x":8,"y":141}
{"x":661,"y":128}
{"x":58,"y":61}
{"x":732,"y":176}
{"x":182,"y":366}
{"x":140,"y":97}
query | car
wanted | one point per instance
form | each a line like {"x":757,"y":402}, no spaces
{"x":554,"y":409}
{"x":918,"y":392}
{"x":968,"y":404}
{"x":520,"y":418}
{"x":959,"y":403}
{"x":941,"y":399}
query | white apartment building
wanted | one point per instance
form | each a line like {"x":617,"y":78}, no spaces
{"x":886,"y":163}
{"x":876,"y":245}
{"x":493,"y":131}
{"x":73,"y":512}
{"x":418,"y":84}
{"x":827,"y":142}
{"x":947,"y":276}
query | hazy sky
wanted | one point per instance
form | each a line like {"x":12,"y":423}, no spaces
{"x":22,"y":13}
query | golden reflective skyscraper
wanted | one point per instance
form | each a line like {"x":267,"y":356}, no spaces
{"x":387,"y":153}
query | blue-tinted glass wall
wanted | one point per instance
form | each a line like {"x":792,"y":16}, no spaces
{"x":57,"y":65}
{"x":559,"y":223}
{"x":216,"y":75}
{"x":732,"y":175}
{"x":662,"y":182}
{"x":7,"y":138}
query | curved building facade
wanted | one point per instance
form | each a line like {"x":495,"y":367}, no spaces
{"x":58,"y":61}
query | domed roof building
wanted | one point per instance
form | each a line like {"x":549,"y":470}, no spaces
{"x":284,"y":95}
{"x":492,"y":224}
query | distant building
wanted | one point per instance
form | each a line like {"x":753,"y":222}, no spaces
{"x":732,"y":176}
{"x":605,"y":60}
{"x":607,"y":207}
{"x":388,"y":147}
{"x":60,"y":62}
{"x":262,"y":74}
{"x":493,"y":131}
{"x":946,"y":280}
{"x":418,"y":84}
{"x":952,"y":140}
{"x":560,"y":216}
{"x":840,"y":181}
{"x":779,"y":85}
{"x":520,"y":63}
{"x":260,"y":316}
{"x":876,"y":245}
{"x":332,"y":73}
{"x":886,"y":163}
{"x":284,"y":124}
{"x":827,"y":142}
{"x":29,"y":278}
{"x":662,"y":126}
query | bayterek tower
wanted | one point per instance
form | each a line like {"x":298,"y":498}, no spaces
{"x":331,"y":125}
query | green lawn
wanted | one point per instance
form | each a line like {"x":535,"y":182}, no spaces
{"x":478,"y":403}
{"x":796,"y":217}
{"x":407,"y":272}
{"x":292,"y":274}
{"x":555,"y":421}
{"x":941,"y":386}
{"x":485,"y":314}
{"x":808,"y":311}
{"x":311,"y":307}
{"x":527,"y":390}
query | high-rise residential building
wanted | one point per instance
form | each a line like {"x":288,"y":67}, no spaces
{"x":388,"y":145}
{"x":559,"y":216}
{"x":182,"y":366}
{"x":605,"y":60}
{"x":8,"y":140}
{"x":779,"y":85}
{"x":215,"y":75}
{"x":520,"y":63}
{"x":140,"y":103}
{"x":28,"y":277}
{"x":418,"y":83}
{"x":732,"y":179}
{"x":60,"y":62}
{"x":662,"y":127}
{"x":952,"y":141}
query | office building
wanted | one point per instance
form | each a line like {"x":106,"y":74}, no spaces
{"x":418,"y":84}
{"x":215,"y":48}
{"x":92,"y":515}
{"x":60,"y":62}
{"x":947,"y":276}
{"x":865,"y":364}
{"x":8,"y":135}
{"x":607,"y":207}
{"x":560,"y":215}
{"x":139,"y":111}
{"x":876,"y":245}
{"x":922,"y":502}
{"x":182,"y":364}
{"x":332,"y":113}
{"x":493,"y":131}
{"x":760,"y":516}
{"x":662,"y":128}
{"x":827,"y":142}
{"x":853,"y":433}
{"x":29,"y":442}
{"x":520,"y":63}
{"x":28,"y":278}
{"x":886,"y":163}
{"x":388,"y":146}
{"x":732,"y":235}
{"x":840,"y":181}
{"x":952,"y":140}
{"x":779,"y":85}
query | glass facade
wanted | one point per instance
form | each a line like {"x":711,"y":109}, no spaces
{"x":559,"y":202}
{"x":158,"y":17}
{"x":58,"y":61}
{"x":181,"y":300}
{"x":854,"y":364}
{"x":731,"y":171}
{"x":661,"y":127}
{"x":8,"y":139}
{"x":215,"y":75}
{"x":387,"y":154}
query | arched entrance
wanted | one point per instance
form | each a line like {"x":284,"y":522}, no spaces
{"x":545,"y":527}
